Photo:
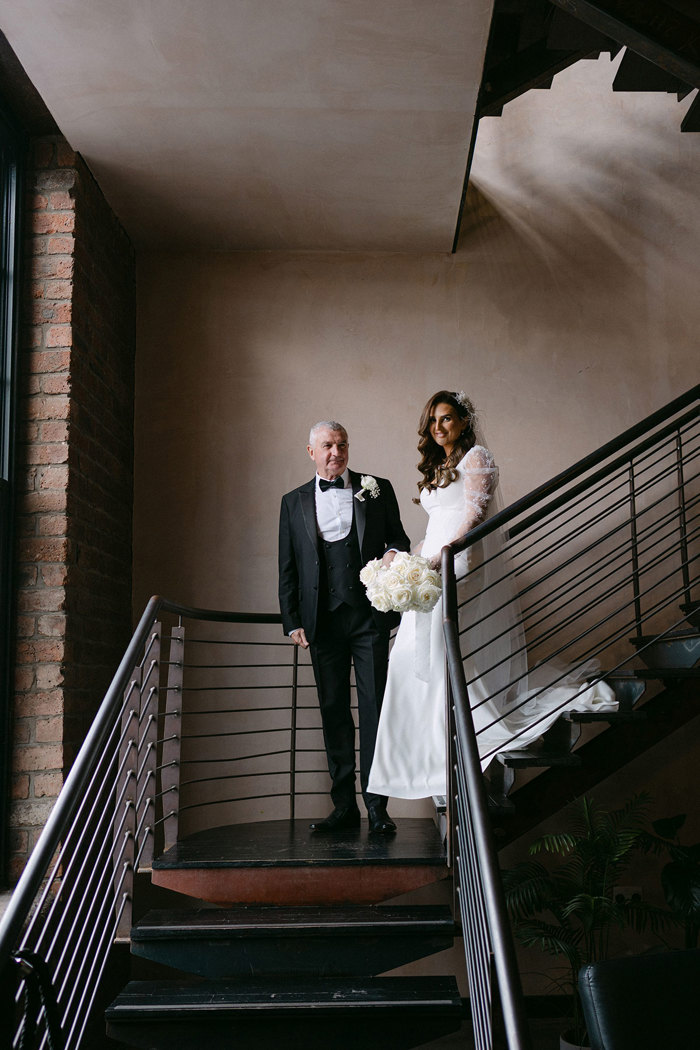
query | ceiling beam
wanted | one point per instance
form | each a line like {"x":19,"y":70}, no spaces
{"x":652,"y":28}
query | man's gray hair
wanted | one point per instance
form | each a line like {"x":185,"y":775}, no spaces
{"x":330,"y":423}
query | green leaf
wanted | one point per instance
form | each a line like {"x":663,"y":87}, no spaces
{"x":551,"y":939}
{"x":528,"y":889}
{"x":562,"y":842}
{"x":640,"y":914}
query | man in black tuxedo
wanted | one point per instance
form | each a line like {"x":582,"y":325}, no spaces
{"x":329,"y":528}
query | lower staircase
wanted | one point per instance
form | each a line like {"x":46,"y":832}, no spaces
{"x":671,"y":673}
{"x":294,"y":956}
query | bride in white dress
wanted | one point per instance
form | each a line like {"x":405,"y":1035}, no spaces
{"x":459,"y":480}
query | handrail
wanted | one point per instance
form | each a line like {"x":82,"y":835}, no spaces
{"x":630,"y":535}
{"x":59,"y":819}
{"x":577,"y":470}
{"x":191,"y":612}
{"x":121,"y":802}
{"x":67,"y":802}
{"x":479,"y":829}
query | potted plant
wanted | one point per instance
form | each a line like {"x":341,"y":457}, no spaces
{"x":567,"y":908}
{"x":680,"y":878}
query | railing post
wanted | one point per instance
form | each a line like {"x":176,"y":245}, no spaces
{"x":682,"y":522}
{"x":293,"y":735}
{"x":450,"y":612}
{"x":124,"y":836}
{"x":172,"y":738}
{"x":451,"y":815}
{"x":635,"y":558}
{"x":148,"y":749}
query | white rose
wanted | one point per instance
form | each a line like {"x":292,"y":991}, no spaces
{"x":391,"y":579}
{"x":428,"y":595}
{"x":415,"y":572}
{"x":401,"y":598}
{"x":425,"y":571}
{"x":370,"y":572}
{"x":380,"y":600}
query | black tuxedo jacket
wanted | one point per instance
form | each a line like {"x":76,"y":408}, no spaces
{"x":378,"y":526}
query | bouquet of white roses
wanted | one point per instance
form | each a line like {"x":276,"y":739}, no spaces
{"x":408,"y":584}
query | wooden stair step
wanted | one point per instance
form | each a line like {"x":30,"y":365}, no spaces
{"x":526,"y":758}
{"x":283,"y":862}
{"x":692,"y":613}
{"x":621,"y":715}
{"x":628,"y":688}
{"x":673,"y":650}
{"x":391,"y":1012}
{"x":223,"y":942}
{"x":544,"y":795}
{"x":668,"y":673}
{"x":499,"y":805}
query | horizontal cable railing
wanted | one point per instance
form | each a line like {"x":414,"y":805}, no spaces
{"x":249,"y":727}
{"x":188,"y":735}
{"x":559,"y":602}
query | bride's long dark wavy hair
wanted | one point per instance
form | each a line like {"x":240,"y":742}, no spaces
{"x":437,"y":469}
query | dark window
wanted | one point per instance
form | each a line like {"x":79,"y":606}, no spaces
{"x":10,"y":155}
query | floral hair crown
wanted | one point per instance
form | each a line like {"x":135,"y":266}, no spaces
{"x":462,"y":399}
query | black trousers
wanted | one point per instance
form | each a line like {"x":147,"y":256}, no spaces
{"x":349,"y":636}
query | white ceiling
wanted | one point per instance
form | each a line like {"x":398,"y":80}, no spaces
{"x":265,"y":124}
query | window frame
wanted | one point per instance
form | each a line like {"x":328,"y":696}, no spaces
{"x":12,"y":153}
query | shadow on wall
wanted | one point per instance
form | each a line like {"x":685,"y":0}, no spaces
{"x":586,"y":240}
{"x":603,"y":258}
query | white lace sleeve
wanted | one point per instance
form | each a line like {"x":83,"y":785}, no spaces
{"x":480,"y":477}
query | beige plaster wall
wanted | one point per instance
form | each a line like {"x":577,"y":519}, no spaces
{"x":569,"y":312}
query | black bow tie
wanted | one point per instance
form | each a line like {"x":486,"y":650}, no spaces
{"x":325,"y":485}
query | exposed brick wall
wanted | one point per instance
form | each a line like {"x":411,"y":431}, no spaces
{"x":75,"y":473}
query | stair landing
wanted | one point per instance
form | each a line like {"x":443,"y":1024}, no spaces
{"x":283,"y":862}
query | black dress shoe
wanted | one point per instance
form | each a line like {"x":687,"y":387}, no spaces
{"x":342,"y":818}
{"x":380,"y":822}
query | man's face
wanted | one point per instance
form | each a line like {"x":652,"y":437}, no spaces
{"x":329,"y":452}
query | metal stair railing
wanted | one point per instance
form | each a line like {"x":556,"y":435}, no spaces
{"x":149,"y":766}
{"x":601,"y":564}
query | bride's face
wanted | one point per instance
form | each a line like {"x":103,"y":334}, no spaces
{"x":445,"y":426}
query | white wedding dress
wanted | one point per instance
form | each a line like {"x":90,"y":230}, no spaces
{"x":510,"y":708}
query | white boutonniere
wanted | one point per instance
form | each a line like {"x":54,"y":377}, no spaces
{"x":368,"y":484}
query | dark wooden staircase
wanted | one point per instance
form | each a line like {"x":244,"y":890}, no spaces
{"x":672,"y":665}
{"x":296,"y":960}
{"x":293,"y":938}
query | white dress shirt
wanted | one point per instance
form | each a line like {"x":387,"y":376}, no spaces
{"x":334,"y":510}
